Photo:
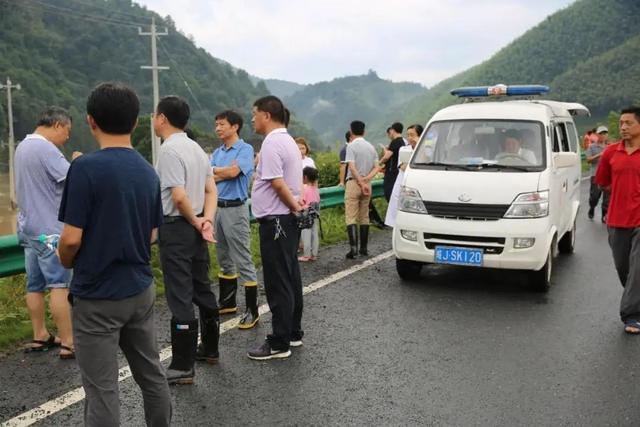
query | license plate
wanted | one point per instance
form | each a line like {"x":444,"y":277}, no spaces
{"x":458,"y":256}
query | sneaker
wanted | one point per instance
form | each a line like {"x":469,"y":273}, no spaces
{"x":295,"y":343}
{"x":265,"y":352}
{"x":175,"y":376}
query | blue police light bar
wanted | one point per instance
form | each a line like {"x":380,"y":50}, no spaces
{"x":500,"y":90}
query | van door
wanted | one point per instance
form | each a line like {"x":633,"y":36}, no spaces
{"x":576,"y":170}
{"x":564,"y":180}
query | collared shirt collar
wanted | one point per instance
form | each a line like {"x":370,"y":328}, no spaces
{"x":357,"y":138}
{"x":277,"y":130}
{"x":36,"y":136}
{"x":224,"y":147}
{"x":176,"y":135}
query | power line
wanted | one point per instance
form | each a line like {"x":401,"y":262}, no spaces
{"x":184,"y":80}
{"x":39,"y":7}
{"x":67,"y":10}
{"x":108,"y":10}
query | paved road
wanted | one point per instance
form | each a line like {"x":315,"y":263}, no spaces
{"x":462,"y":347}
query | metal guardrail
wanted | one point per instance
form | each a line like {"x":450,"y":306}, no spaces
{"x":12,"y":254}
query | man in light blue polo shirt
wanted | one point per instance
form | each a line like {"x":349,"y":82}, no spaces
{"x":232,"y":170}
{"x":41,"y":171}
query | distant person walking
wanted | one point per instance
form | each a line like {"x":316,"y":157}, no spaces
{"x":361,"y":159}
{"x":189,"y":200}
{"x":390,"y":159}
{"x":413,"y":136}
{"x":232,"y":170}
{"x":619,"y":171}
{"x":311,"y":200}
{"x":593,"y":154}
{"x":41,"y":171}
{"x":111,"y":209}
{"x":275,"y":201}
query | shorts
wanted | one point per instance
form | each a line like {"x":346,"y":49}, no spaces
{"x":43,"y":267}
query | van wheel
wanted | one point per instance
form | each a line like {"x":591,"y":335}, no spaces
{"x":567,"y":244}
{"x":408,"y":270}
{"x":541,"y":279}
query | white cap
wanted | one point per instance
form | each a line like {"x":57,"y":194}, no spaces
{"x":602,"y":129}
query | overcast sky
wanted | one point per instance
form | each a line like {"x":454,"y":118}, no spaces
{"x":310,"y":41}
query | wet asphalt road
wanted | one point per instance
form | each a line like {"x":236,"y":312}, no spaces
{"x":463,"y":347}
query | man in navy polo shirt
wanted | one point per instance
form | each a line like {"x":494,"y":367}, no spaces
{"x":111,"y":209}
{"x":619,"y":171}
{"x":232,"y":170}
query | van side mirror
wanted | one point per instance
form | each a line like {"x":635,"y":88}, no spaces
{"x":565,"y":160}
{"x":405,"y":154}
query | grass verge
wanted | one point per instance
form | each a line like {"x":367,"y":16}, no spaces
{"x":15,"y":325}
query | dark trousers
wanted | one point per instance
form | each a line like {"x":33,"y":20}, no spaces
{"x":387,"y":185}
{"x":282,"y":282}
{"x":594,"y":197}
{"x":99,"y":328}
{"x":185,"y":266}
{"x":625,"y":246}
{"x":374,"y":216}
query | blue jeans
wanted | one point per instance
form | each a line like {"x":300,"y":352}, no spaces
{"x":43,"y":267}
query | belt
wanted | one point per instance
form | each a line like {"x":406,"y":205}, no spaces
{"x":177,"y":218}
{"x":230,"y":203}
{"x":271,"y":218}
{"x":349,"y":179}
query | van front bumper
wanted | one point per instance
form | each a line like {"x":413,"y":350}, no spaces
{"x":496,"y":238}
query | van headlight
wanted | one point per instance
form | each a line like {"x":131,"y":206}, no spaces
{"x":410,"y":201}
{"x":529,"y":205}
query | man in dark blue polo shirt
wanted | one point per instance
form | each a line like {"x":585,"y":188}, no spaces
{"x":232,"y":170}
{"x":111,"y":209}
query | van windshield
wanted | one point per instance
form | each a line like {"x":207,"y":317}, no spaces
{"x":482,"y":145}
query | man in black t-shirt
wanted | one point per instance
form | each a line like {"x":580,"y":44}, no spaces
{"x":111,"y":209}
{"x":390,"y":159}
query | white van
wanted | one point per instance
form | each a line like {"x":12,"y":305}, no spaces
{"x":491,"y":184}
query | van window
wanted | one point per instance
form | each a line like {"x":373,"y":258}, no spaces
{"x":561,"y":140}
{"x":482,"y":145}
{"x":573,"y":137}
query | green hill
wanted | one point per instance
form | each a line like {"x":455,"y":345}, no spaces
{"x":587,"y":52}
{"x":59,"y":49}
{"x":329,"y":107}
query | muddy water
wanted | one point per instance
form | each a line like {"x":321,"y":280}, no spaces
{"x":7,"y":216}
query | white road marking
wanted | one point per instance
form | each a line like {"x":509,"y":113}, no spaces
{"x":74,"y":396}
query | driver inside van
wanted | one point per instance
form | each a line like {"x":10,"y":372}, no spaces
{"x":513,"y":149}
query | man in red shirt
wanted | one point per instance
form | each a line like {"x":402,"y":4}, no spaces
{"x":619,"y":171}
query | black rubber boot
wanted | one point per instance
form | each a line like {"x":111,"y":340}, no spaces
{"x":364,"y":240}
{"x":184,"y":339}
{"x":352,"y":232}
{"x":210,"y":335}
{"x":228,"y":289}
{"x":251,"y":315}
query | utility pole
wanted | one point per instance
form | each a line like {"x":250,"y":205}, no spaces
{"x":12,"y":182}
{"x":155,"y":141}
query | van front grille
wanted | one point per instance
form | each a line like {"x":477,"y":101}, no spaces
{"x":466,"y":211}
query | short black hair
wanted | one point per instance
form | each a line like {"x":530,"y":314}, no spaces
{"x":419,"y":129}
{"x":311,"y":174}
{"x":398,"y":127}
{"x":175,"y":109}
{"x":232,"y":117}
{"x":190,"y":134}
{"x":272,"y":105}
{"x":632,"y":110}
{"x":52,"y":115}
{"x":347,"y":136}
{"x":512,"y":133}
{"x":357,"y":128}
{"x":287,"y":117}
{"x":114,"y":107}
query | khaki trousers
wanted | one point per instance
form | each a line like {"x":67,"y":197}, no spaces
{"x":356,"y":204}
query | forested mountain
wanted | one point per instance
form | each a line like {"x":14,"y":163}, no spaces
{"x":280,"y":88}
{"x":59,"y":49}
{"x":588,"y":52}
{"x":329,"y":107}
